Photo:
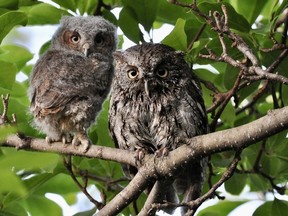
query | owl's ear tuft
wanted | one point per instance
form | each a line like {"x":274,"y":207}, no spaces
{"x":118,"y":56}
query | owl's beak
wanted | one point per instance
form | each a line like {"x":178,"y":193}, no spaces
{"x":147,"y":77}
{"x":146,"y":87}
{"x":85,"y":49}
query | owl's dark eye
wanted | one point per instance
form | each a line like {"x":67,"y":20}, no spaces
{"x":75,"y":38}
{"x":132,"y":73}
{"x":99,"y":39}
{"x":162,"y":72}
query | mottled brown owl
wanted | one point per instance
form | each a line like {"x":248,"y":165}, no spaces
{"x":155,"y":98}
{"x":72,"y":79}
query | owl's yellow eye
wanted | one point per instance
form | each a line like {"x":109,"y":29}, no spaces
{"x":132,"y":73}
{"x":162,"y":72}
{"x":75,"y":38}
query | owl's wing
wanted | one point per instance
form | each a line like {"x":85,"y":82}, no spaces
{"x":57,"y":79}
{"x":196,"y":108}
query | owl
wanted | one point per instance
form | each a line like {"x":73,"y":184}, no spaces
{"x":71,"y":80}
{"x":155,"y":99}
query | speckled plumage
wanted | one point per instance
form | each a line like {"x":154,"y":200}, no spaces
{"x":72,"y":79}
{"x":155,"y":100}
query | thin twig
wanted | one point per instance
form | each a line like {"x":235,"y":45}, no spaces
{"x":83,"y":188}
{"x":3,"y":117}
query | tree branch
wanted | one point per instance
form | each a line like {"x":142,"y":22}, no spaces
{"x":101,"y":152}
{"x":232,"y":139}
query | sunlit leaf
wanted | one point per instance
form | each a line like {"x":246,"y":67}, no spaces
{"x":251,"y":9}
{"x":11,"y":183}
{"x":43,"y":14}
{"x":7,"y":75}
{"x":36,"y":204}
{"x":15,"y":54}
{"x":220,"y":209}
{"x":177,"y":38}
{"x":9,"y":20}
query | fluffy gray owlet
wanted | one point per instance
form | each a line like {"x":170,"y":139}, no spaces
{"x":156,"y":99}
{"x":72,"y":79}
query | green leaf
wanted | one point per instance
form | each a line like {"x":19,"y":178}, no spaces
{"x":107,"y":14}
{"x":13,"y":209}
{"x":5,"y":131}
{"x":220,"y":209}
{"x":228,"y":115}
{"x":34,"y":182}
{"x":272,"y":208}
{"x":88,"y":6}
{"x":249,"y":9}
{"x":235,"y":20}
{"x":230,"y":76}
{"x":86,"y":213}
{"x":60,"y":184}
{"x":99,"y":132}
{"x":15,"y":54}
{"x":37,"y":161}
{"x":7,"y":75}
{"x":44,"y":14}
{"x":129,"y":25}
{"x":36,"y":205}
{"x":264,"y":210}
{"x":144,"y":10}
{"x":10,"y":183}
{"x":9,"y":4}
{"x":68,"y":4}
{"x":9,"y":20}
{"x":280,"y":207}
{"x":236,"y":184}
{"x":44,"y":47}
{"x":177,"y":38}
{"x":169,"y":13}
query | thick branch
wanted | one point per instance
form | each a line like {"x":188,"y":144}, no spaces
{"x":231,"y":139}
{"x":129,"y":193}
{"x":101,"y":152}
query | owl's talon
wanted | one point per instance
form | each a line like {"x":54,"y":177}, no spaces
{"x":81,"y":141}
{"x":162,"y":152}
{"x":48,"y":140}
{"x":66,"y":138}
{"x":140,"y":154}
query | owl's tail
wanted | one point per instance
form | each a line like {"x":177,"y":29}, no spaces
{"x":190,"y":182}
{"x":162,"y":192}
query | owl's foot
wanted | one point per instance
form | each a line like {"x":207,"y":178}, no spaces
{"x":81,"y":141}
{"x":50,"y":140}
{"x":66,"y":138}
{"x":140,"y":154}
{"x":162,"y":152}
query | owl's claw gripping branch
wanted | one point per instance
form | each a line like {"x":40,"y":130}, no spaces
{"x":81,"y":140}
{"x":140,"y":154}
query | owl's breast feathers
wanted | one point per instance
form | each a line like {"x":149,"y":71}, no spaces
{"x":60,"y":78}
{"x":155,"y":122}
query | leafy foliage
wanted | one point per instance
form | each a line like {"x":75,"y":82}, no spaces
{"x":26,"y":177}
